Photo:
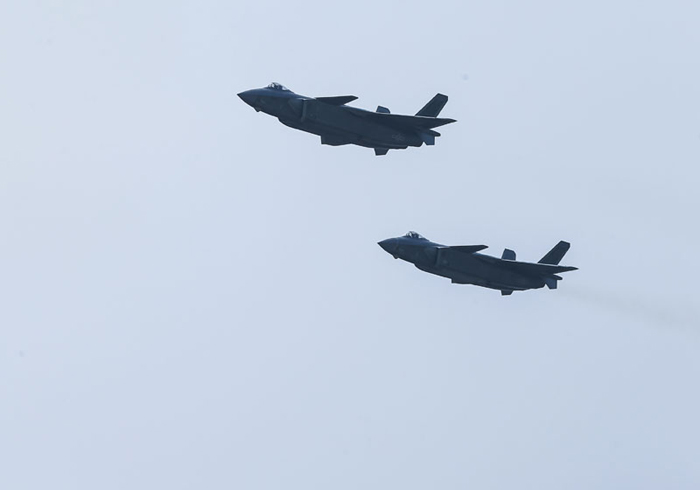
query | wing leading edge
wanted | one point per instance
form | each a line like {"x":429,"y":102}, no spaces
{"x":467,"y":249}
{"x":337,"y":100}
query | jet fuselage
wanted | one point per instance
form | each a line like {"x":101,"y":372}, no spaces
{"x":463,"y":265}
{"x":336,"y":123}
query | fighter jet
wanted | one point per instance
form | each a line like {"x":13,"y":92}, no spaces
{"x":338,"y":124}
{"x":464,"y":265}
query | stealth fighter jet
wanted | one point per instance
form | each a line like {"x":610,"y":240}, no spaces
{"x":338,"y":124}
{"x":464,"y":265}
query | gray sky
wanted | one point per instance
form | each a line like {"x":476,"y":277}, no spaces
{"x":193,"y":297}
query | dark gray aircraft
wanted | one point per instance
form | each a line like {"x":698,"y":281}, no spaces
{"x":338,"y":124}
{"x":464,"y":265}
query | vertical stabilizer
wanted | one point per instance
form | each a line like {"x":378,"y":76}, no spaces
{"x":433,"y":108}
{"x":555,"y":255}
{"x":508,"y":254}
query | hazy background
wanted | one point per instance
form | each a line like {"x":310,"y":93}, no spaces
{"x":191,"y":294}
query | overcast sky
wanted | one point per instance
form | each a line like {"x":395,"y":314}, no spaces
{"x":191,"y":294}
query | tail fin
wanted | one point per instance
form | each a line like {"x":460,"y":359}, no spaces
{"x":554,"y":256}
{"x":433,"y":108}
{"x":508,"y":254}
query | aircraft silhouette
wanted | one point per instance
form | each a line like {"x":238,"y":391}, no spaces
{"x":464,"y":265}
{"x":338,"y":124}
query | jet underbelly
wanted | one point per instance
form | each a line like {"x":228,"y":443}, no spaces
{"x":459,"y":277}
{"x":464,"y":268}
{"x":337,"y":137}
{"x":362,"y":131}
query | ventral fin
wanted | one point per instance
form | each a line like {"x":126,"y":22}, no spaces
{"x":551,"y":282}
{"x":428,"y":138}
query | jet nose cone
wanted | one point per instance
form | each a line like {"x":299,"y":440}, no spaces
{"x":389,"y":245}
{"x":248,"y":98}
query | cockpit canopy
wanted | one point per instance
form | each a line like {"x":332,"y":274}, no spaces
{"x":414,"y":235}
{"x":278,"y":86}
